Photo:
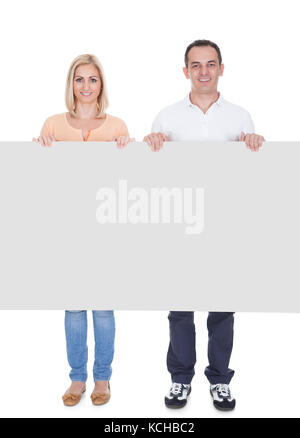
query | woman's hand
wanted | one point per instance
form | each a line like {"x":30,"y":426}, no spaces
{"x":44,"y":140}
{"x":123,"y":141}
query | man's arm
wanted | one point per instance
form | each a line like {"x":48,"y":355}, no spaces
{"x":156,"y":139}
{"x":252,"y":141}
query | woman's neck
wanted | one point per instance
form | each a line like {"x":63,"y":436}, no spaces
{"x":86,"y":110}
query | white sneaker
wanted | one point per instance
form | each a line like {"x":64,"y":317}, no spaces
{"x":222,"y":398}
{"x":177,"y":396}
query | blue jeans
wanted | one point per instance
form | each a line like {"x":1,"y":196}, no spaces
{"x":77,"y":350}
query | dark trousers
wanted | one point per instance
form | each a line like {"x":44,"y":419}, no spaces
{"x":181,"y":356}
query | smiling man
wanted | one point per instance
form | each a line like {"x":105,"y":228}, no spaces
{"x":202,"y":116}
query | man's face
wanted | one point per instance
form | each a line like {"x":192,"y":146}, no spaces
{"x":203,"y":69}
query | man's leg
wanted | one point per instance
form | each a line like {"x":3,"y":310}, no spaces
{"x":181,"y":356}
{"x":220,"y":341}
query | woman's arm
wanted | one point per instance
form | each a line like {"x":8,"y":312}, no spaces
{"x":122,"y":138}
{"x":46,"y":138}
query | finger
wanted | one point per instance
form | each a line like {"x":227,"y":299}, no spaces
{"x":242,"y":136}
{"x":255,"y":143}
{"x":250,"y":141}
{"x":151,"y":142}
{"x":161,"y":141}
{"x":126,"y":141}
{"x":146,"y":140}
{"x":123,"y":141}
{"x":118,"y":140}
{"x":261,"y":140}
{"x":246,"y":140}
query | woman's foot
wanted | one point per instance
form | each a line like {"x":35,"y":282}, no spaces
{"x":101,"y":393}
{"x":73,"y":394}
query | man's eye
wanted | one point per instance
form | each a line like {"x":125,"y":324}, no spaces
{"x":211,"y":65}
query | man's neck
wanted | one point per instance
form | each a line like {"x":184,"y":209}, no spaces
{"x":204,"y":101}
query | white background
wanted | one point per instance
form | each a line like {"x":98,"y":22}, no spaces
{"x":141,"y":46}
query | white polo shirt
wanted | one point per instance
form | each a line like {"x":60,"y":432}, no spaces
{"x":184,"y":121}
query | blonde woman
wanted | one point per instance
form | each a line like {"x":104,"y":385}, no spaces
{"x":87,"y":120}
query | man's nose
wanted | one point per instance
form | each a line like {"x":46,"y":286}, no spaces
{"x":203,"y":70}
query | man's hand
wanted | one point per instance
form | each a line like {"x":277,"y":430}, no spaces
{"x":155,"y":140}
{"x":252,"y":141}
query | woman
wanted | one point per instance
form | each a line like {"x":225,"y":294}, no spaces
{"x":86,"y":120}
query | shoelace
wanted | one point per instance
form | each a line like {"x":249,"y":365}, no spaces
{"x":223,"y":390}
{"x":176,"y":388}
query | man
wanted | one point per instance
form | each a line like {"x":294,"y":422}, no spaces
{"x":202,"y":116}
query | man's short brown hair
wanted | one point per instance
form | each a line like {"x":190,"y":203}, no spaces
{"x":202,"y":43}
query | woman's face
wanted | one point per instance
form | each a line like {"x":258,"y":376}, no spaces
{"x":86,"y":83}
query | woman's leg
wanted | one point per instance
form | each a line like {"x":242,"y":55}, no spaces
{"x":76,"y":338}
{"x":104,"y":332}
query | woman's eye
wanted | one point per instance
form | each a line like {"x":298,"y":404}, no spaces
{"x":78,"y":80}
{"x":94,"y":80}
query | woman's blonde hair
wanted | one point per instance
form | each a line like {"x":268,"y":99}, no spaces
{"x":102,"y":100}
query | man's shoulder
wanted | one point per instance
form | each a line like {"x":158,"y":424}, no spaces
{"x":232,"y":107}
{"x":173,"y":108}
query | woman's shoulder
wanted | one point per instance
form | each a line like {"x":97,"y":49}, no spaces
{"x":115,"y":120}
{"x":56,"y":118}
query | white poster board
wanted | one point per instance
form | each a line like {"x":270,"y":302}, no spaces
{"x":195,"y":226}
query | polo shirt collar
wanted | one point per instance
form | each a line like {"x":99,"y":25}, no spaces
{"x":188,"y":102}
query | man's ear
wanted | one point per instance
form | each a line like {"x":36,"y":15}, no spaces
{"x":221,"y":69}
{"x":186,"y":73}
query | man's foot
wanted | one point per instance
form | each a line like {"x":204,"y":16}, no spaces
{"x":177,"y":396}
{"x":73,"y":394}
{"x":222,"y":398}
{"x":101,"y":393}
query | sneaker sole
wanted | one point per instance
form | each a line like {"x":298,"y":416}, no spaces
{"x":219,"y":407}
{"x":175,"y":406}
{"x":224,"y":409}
